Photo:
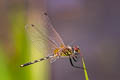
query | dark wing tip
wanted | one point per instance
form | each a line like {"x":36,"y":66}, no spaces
{"x":45,"y":14}
{"x":32,"y":25}
{"x":29,"y":25}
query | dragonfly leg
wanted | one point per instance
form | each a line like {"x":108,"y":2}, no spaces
{"x":74,"y":58}
{"x":70,"y":58}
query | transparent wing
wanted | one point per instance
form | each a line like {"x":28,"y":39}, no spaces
{"x":51,"y":31}
{"x":44,"y":35}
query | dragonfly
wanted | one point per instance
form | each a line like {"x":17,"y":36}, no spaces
{"x":55,"y":46}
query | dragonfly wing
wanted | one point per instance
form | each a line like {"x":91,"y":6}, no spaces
{"x":51,"y":31}
{"x":40,"y":39}
{"x":44,"y":36}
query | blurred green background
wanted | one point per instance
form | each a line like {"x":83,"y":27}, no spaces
{"x":15,"y":47}
{"x":93,"y":24}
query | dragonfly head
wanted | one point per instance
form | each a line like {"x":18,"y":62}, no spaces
{"x":76,"y":50}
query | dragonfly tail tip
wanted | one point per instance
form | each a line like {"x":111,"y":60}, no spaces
{"x":21,"y":65}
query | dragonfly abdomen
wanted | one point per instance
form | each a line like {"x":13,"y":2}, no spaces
{"x":35,"y":61}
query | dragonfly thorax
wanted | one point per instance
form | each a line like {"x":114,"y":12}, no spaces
{"x":66,"y":51}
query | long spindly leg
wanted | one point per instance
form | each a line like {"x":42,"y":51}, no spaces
{"x":74,"y":58}
{"x":70,"y":58}
{"x":35,"y":61}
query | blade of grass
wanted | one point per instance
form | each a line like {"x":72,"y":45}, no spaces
{"x":40,"y":71}
{"x":85,"y":70}
{"x":4,"y":71}
{"x":19,"y":44}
